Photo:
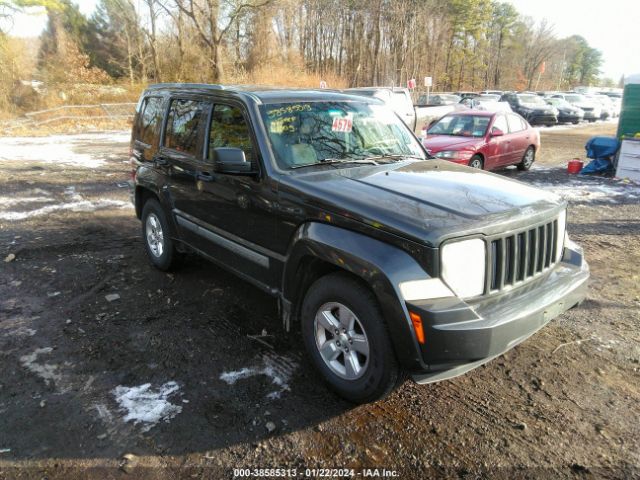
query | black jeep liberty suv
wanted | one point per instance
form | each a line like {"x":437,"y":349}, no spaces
{"x":390,"y":262}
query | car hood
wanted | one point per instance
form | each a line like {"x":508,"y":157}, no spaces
{"x":426,"y":201}
{"x":437,"y":143}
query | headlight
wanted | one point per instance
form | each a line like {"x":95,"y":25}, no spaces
{"x":446,"y":154}
{"x":562,"y":225}
{"x":457,"y":154}
{"x":463,"y":267}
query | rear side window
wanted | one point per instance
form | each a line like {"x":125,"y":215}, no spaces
{"x":148,"y":120}
{"x":183,"y":125}
{"x":229,"y":129}
{"x":516,"y":124}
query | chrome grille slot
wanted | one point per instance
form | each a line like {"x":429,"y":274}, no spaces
{"x":520,"y":256}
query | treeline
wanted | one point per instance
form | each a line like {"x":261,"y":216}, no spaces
{"x":462,"y":44}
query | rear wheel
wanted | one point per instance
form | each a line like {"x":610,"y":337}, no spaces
{"x":347,"y":339}
{"x":527,"y":159}
{"x":476,"y":162}
{"x":157,"y":239}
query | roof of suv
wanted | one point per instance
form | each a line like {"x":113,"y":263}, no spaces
{"x":262,"y":94}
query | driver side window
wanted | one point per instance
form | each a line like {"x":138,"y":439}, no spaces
{"x":229,"y":129}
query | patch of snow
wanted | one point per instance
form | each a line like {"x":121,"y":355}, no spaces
{"x":23,"y":331}
{"x":59,"y":149}
{"x":146,"y":405}
{"x":278,"y":368}
{"x":44,"y":370}
{"x":590,"y":191}
{"x":74,"y":206}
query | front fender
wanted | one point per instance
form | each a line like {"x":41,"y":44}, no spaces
{"x":382,"y":266}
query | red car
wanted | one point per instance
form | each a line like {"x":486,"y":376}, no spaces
{"x":486,"y":140}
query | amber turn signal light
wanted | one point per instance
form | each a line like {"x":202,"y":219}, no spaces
{"x":417,"y":326}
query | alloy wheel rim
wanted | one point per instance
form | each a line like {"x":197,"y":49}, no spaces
{"x":341,"y":341}
{"x":155,"y":236}
{"x":528,"y":158}
{"x":475,"y":163}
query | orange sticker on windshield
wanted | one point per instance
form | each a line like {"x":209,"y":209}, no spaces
{"x":344,"y":125}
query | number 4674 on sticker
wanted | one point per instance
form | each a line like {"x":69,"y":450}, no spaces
{"x":342,"y":124}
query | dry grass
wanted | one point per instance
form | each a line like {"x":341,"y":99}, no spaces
{"x":288,"y":75}
{"x":280,"y":74}
{"x":64,"y":127}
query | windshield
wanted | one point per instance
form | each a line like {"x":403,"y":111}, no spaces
{"x":488,"y":97}
{"x":530,"y":100}
{"x":310,"y":133}
{"x":558,"y":102}
{"x":461,"y":126}
{"x":604,"y":100}
{"x":574,"y":98}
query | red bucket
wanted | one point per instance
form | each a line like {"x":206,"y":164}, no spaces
{"x":574,"y":166}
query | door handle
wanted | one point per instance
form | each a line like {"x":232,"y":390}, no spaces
{"x":204,"y":176}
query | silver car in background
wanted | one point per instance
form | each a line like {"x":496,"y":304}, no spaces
{"x":399,"y":99}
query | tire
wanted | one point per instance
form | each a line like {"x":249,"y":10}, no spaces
{"x":527,"y":159}
{"x":156,"y":236}
{"x":359,"y":374}
{"x":476,"y":162}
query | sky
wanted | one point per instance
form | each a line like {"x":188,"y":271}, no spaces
{"x":611,"y":27}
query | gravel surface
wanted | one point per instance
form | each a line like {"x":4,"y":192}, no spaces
{"x":113,"y":369}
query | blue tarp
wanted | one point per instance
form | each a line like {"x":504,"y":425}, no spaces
{"x":601,"y":150}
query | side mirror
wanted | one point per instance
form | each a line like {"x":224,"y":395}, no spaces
{"x":230,"y":160}
{"x":496,"y":132}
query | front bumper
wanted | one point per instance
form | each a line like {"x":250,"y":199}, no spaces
{"x":542,"y":119}
{"x":461,"y":336}
{"x":569,"y":117}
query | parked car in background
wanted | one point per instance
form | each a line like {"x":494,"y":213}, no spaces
{"x":432,"y":109}
{"x":616,"y":101}
{"x":567,"y":113}
{"x":532,"y":107}
{"x":485,"y":140}
{"x":491,"y":92}
{"x":399,"y":99}
{"x":592,"y":110}
{"x":608,"y":110}
{"x":486,"y":102}
{"x":435,"y":99}
{"x":466,"y":94}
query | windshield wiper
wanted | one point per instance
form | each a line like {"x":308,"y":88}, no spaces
{"x":394,"y":156}
{"x":329,"y":161}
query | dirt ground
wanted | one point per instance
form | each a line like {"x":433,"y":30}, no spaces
{"x":112,"y":369}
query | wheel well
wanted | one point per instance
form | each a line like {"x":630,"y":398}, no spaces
{"x":309,"y":270}
{"x":142,"y":195}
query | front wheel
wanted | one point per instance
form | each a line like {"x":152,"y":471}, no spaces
{"x":347,"y":339}
{"x":527,"y":159}
{"x":476,"y":162}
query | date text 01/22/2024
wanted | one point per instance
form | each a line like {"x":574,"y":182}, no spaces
{"x":314,"y":473}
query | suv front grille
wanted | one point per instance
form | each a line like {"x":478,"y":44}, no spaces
{"x":518,"y":257}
